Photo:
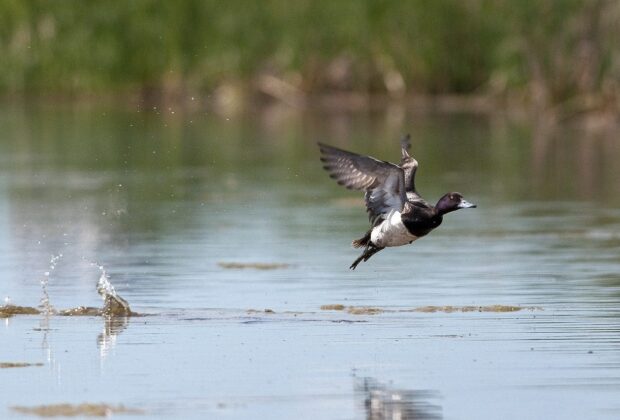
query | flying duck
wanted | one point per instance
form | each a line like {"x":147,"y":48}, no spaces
{"x":398,"y":215}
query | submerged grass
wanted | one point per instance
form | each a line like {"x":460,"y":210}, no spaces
{"x":114,"y":306}
{"x":7,"y":311}
{"x":258,"y":311}
{"x":110,"y":311}
{"x":490,"y":308}
{"x":73,"y":410}
{"x":9,"y":365}
{"x":364,"y":310}
{"x":81,"y":311}
{"x":334,"y":307}
{"x":256,"y":266}
{"x":369,"y":310}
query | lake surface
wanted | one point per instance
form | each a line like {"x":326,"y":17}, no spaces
{"x":172,"y":203}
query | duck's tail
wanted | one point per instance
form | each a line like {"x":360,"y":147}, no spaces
{"x":363,"y":241}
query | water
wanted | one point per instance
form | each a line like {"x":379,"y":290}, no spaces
{"x":46,"y":308}
{"x":177,"y":208}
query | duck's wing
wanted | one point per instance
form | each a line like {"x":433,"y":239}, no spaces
{"x":383,"y":182}
{"x":405,"y":145}
{"x":409,"y":166}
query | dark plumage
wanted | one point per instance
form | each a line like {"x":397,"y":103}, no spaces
{"x":397,"y":213}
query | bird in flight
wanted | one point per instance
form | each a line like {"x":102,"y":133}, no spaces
{"x":398,"y":214}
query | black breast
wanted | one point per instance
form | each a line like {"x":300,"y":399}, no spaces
{"x":420,"y":221}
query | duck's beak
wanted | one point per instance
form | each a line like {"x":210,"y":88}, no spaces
{"x":464,"y":204}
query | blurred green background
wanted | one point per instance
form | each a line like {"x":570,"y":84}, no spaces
{"x":548,"y":53}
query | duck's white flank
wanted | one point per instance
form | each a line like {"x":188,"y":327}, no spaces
{"x":391,"y":232}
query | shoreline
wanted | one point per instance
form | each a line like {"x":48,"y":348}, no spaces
{"x":228,"y":101}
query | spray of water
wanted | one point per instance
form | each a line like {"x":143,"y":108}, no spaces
{"x":104,"y":286}
{"x":45,"y":305}
{"x":115,"y":310}
{"x":113,"y":304}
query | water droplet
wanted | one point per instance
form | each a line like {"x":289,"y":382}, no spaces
{"x":44,"y":303}
{"x":113,"y":303}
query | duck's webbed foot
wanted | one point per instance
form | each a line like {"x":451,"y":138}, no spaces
{"x":368,"y":252}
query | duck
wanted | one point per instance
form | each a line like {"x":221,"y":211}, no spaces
{"x":397,"y":213}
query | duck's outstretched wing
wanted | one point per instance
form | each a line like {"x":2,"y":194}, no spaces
{"x":383,"y":182}
{"x":409,"y":166}
{"x":405,"y":145}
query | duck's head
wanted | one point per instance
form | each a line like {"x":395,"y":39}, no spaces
{"x":451,"y":202}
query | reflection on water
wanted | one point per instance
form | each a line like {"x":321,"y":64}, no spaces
{"x":113,"y":326}
{"x":509,"y":309}
{"x":115,"y":312}
{"x":386,"y":403}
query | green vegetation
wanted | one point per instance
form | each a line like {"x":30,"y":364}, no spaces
{"x":549,"y":52}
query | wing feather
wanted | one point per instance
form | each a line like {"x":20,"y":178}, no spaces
{"x":383,"y":182}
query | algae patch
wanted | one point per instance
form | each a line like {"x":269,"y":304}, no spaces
{"x":9,"y":365}
{"x":257,"y":311}
{"x":488,"y":308}
{"x":73,"y":410}
{"x":353,"y":310}
{"x":364,"y":310}
{"x":116,"y":306}
{"x":334,"y":307}
{"x":81,"y":311}
{"x":255,"y":266}
{"x":368,"y":310}
{"x":7,"y":311}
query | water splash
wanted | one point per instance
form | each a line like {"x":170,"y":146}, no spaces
{"x":115,"y":310}
{"x":46,"y":308}
{"x":113,"y":304}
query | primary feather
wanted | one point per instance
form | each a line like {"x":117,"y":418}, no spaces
{"x":383,"y":182}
